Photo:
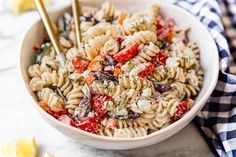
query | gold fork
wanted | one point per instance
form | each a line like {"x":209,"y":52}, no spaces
{"x":76,"y":14}
{"x":48,"y":25}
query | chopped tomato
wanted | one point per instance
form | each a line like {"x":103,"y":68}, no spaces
{"x":119,"y":65}
{"x":182,"y":108}
{"x":80,"y":64}
{"x":119,"y":39}
{"x":160,"y":59}
{"x":165,"y":34}
{"x":127,"y":53}
{"x":185,"y":41}
{"x":121,"y":19}
{"x":165,"y":29}
{"x":148,"y":70}
{"x":117,"y":71}
{"x":96,"y":63}
{"x":97,"y":104}
{"x":168,"y":22}
{"x":44,"y":105}
{"x":36,"y":47}
{"x":56,"y":114}
{"x":160,"y":23}
{"x":67,"y":120}
{"x":89,"y":79}
{"x":89,"y":124}
{"x":95,"y":66}
{"x":72,"y":27}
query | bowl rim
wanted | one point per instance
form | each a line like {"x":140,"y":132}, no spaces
{"x":186,"y":117}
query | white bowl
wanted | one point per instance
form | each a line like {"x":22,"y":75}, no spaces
{"x":198,"y":34}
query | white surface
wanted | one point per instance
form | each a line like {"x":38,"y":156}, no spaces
{"x":18,"y":119}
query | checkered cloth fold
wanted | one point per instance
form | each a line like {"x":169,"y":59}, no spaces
{"x":218,"y":117}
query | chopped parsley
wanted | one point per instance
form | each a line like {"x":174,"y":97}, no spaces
{"x":103,"y":85}
{"x":80,"y":80}
{"x":193,"y":66}
{"x":161,"y":43}
{"x":130,"y":66}
{"x":49,"y":66}
{"x":117,"y":103}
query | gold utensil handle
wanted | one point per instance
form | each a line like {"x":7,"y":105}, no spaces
{"x":48,"y":25}
{"x":76,"y":14}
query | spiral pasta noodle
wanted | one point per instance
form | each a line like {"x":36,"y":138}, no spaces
{"x":140,"y":24}
{"x":145,"y":55}
{"x":134,"y":82}
{"x":105,"y":87}
{"x":36,"y":84}
{"x":94,"y":31}
{"x":110,"y":46}
{"x":92,"y":48}
{"x":130,"y":132}
{"x":141,"y":37}
{"x":35,"y":70}
{"x":195,"y":49}
{"x":74,"y":97}
{"x":54,"y":101}
{"x":58,"y":80}
{"x":154,"y":14}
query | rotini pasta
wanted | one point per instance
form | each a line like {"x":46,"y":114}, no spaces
{"x":140,"y":24}
{"x":110,"y":46}
{"x":36,"y":84}
{"x":54,"y":101}
{"x":144,"y":55}
{"x":92,"y":48}
{"x":142,"y":37}
{"x":35,"y":70}
{"x":94,"y":31}
{"x":74,"y":97}
{"x":154,"y":13}
{"x":134,"y":82}
{"x":105,"y":87}
{"x":108,"y":11}
{"x":131,"y":132}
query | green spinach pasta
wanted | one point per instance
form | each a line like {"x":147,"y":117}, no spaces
{"x":134,"y":73}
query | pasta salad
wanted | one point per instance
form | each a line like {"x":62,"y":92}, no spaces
{"x":134,"y":73}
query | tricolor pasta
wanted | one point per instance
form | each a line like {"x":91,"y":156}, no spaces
{"x":134,"y":74}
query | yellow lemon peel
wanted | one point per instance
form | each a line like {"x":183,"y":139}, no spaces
{"x":20,"y":148}
{"x":19,"y":6}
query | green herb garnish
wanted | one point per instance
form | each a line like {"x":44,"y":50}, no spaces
{"x":117,"y":103}
{"x":130,"y":67}
{"x":161,"y":43}
{"x":193,"y":66}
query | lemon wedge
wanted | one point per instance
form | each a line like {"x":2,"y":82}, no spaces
{"x":20,"y":148}
{"x":26,"y":148}
{"x":19,"y":6}
{"x":48,"y":155}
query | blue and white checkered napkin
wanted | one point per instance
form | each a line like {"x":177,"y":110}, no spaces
{"x":218,"y":117}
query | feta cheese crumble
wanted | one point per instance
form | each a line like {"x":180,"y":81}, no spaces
{"x":172,"y":62}
{"x":144,"y":105}
{"x":147,"y":92}
{"x":188,"y":53}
